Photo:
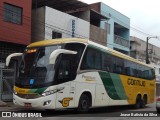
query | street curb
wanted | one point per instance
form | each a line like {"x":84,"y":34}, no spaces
{"x":3,"y":104}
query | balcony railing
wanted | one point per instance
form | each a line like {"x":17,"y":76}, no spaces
{"x":121,"y":41}
{"x":98,"y":35}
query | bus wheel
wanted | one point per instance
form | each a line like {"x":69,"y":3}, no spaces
{"x":83,"y":104}
{"x":144,"y":101}
{"x":138,"y":102}
{"x":158,"y":110}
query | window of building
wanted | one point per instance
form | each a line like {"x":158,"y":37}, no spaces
{"x":56,"y":35}
{"x":12,"y":14}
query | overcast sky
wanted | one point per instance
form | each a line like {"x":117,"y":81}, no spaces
{"x":144,"y":16}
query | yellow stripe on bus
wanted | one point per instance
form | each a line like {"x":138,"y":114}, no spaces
{"x":21,"y":90}
{"x":56,"y":41}
{"x":134,"y":86}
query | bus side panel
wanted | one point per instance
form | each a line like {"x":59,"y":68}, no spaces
{"x":83,"y":88}
{"x":134,"y":86}
{"x":87,"y":82}
{"x":106,"y":89}
{"x":101,"y":98}
{"x":114,"y":89}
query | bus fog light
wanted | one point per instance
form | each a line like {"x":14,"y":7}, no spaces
{"x":47,"y":102}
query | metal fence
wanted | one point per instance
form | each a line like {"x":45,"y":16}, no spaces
{"x":7,"y":78}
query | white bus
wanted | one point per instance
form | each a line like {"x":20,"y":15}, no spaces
{"x":78,"y":73}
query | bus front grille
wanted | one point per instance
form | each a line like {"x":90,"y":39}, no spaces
{"x":28,"y":96}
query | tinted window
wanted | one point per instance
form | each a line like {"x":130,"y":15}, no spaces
{"x":92,"y":59}
{"x":138,"y":70}
{"x":67,"y":65}
{"x":96,"y":59}
{"x":107,"y":62}
{"x":118,"y":65}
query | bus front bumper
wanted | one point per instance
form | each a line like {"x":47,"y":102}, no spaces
{"x":44,"y":102}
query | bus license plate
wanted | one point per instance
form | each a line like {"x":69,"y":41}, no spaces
{"x":27,"y":105}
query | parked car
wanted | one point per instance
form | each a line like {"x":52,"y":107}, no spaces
{"x":158,"y":104}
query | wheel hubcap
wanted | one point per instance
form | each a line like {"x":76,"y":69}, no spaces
{"x":84,"y":104}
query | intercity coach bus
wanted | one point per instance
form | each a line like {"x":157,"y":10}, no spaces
{"x":80,"y":74}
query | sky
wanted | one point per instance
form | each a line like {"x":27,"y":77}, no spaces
{"x":144,"y":16}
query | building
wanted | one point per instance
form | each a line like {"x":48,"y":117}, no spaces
{"x":19,"y":24}
{"x":15,"y":22}
{"x":117,"y":26}
{"x":138,"y":51}
{"x":79,"y":20}
{"x":15,"y":34}
{"x":103,"y":17}
{"x":46,"y":26}
{"x":23,"y":21}
{"x":15,"y":26}
{"x":87,"y":13}
{"x":107,"y":26}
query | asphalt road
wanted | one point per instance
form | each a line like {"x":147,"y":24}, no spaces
{"x":113,"y":113}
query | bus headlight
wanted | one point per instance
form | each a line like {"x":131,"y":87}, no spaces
{"x":14,"y":92}
{"x":52,"y":91}
{"x":49,"y":92}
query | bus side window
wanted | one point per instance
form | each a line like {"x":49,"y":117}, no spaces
{"x":150,"y":75}
{"x":127,"y":71}
{"x":66,"y":68}
{"x":153,"y":73}
{"x":91,"y":60}
{"x":118,"y":65}
{"x":107,"y":62}
{"x":139,"y":71}
{"x":127,"y":68}
{"x":133,"y":67}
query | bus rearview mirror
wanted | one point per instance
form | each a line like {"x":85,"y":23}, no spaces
{"x":57,"y":52}
{"x":8,"y":59}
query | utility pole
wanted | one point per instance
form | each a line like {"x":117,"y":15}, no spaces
{"x":147,"y":56}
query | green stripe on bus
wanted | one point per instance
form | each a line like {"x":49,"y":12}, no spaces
{"x":32,"y":90}
{"x":119,"y":86}
{"x":41,"y":90}
{"x":109,"y":85}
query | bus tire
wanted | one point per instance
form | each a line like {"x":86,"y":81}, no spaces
{"x":158,"y":110}
{"x":138,"y":102}
{"x":144,"y":101}
{"x":84,"y":104}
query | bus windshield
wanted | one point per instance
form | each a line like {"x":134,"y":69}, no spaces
{"x":35,"y":70}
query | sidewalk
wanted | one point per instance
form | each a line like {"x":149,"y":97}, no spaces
{"x":6,"y":104}
{"x":3,"y":104}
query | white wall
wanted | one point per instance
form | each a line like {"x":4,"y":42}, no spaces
{"x":157,"y":67}
{"x":62,"y":22}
